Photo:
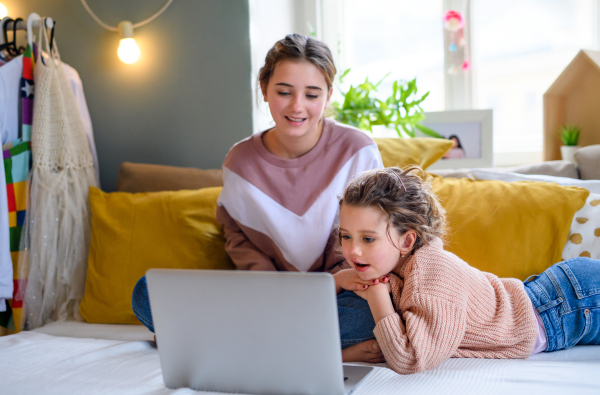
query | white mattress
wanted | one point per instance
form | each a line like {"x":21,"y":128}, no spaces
{"x":35,"y":362}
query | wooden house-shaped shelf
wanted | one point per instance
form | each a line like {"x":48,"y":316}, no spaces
{"x":573,"y":98}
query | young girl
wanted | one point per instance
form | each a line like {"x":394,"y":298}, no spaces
{"x":440,"y":307}
{"x":278,"y":206}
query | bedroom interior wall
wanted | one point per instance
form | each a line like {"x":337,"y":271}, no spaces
{"x":188,"y":98}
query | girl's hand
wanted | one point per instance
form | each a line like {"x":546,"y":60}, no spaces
{"x":375,"y":289}
{"x":349,"y":280}
{"x":367,"y":351}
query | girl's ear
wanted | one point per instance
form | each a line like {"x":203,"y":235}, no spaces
{"x":263,"y":89}
{"x":329,"y":97}
{"x":410,"y":238}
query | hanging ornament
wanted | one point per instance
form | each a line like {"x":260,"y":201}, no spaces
{"x":454,"y":24}
{"x":453,"y":21}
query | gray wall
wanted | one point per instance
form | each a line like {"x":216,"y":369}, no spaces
{"x":184,"y":103}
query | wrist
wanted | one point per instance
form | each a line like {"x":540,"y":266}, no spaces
{"x":380,"y":302}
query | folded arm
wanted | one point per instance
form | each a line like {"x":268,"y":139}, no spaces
{"x":428,"y":333}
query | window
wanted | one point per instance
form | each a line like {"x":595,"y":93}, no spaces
{"x":401,"y":37}
{"x":519,"y":47}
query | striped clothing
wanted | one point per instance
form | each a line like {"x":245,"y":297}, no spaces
{"x":282,"y":214}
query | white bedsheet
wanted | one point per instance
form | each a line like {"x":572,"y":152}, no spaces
{"x":34,"y":363}
{"x":96,"y":331}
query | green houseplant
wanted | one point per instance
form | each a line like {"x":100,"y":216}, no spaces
{"x":400,"y":111}
{"x":569,"y":135}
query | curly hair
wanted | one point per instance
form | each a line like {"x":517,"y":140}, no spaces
{"x":405,"y":195}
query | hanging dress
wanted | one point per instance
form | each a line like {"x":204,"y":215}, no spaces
{"x":17,"y":164}
{"x":58,"y":221}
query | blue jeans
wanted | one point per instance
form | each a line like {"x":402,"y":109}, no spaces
{"x":356,"y":320}
{"x":567,"y":299}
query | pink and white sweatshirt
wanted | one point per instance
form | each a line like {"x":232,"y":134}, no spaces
{"x":280,"y":214}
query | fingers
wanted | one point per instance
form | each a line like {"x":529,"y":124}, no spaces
{"x":368,"y":351}
{"x":359,"y":287}
{"x":385,"y":279}
{"x":375,"y":354}
{"x":377,"y":359}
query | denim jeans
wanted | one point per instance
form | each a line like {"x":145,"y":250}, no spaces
{"x":356,"y":320}
{"x":567,"y":299}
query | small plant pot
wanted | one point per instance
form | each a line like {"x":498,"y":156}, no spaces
{"x":567,"y":152}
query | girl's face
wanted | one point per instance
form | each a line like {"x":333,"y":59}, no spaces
{"x":365,"y":242}
{"x":297,"y":95}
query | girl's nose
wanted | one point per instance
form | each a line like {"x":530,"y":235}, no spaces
{"x":297,"y":103}
{"x":354,"y":250}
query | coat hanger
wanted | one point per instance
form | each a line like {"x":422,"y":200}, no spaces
{"x":5,"y":44}
{"x":51,"y":32}
{"x":2,"y":22}
{"x":13,"y":49}
{"x":32,"y":17}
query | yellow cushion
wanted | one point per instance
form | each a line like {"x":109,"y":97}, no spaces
{"x":133,"y":232}
{"x":422,"y":151}
{"x":509,"y":229}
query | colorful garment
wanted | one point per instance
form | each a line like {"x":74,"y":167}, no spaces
{"x":17,"y":164}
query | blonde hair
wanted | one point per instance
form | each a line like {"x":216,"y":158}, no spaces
{"x":407,"y":198}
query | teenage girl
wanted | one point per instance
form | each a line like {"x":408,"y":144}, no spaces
{"x":278,"y":205}
{"x":440,"y":307}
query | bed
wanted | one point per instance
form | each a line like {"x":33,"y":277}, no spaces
{"x":77,"y":358}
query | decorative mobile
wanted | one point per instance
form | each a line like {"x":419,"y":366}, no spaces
{"x":454,"y":23}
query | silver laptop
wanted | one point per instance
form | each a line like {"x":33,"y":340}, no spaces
{"x":249,"y":332}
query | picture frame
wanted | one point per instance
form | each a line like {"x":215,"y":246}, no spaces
{"x":473,"y":130}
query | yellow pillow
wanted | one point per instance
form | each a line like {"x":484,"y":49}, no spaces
{"x":422,"y":151}
{"x":509,"y":229}
{"x":133,"y":232}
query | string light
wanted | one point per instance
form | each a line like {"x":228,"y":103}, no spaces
{"x":3,"y":11}
{"x":128,"y":51}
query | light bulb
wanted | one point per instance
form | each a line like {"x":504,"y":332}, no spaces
{"x":128,"y":51}
{"x":3,"y":11}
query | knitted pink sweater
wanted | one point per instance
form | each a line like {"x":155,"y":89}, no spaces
{"x":448,"y":309}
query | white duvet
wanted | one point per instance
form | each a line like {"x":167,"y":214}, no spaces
{"x":38,"y":363}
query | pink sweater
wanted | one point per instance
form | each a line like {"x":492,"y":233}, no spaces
{"x":448,"y":309}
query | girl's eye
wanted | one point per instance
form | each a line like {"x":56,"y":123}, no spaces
{"x":283,"y":93}
{"x":312,"y":96}
{"x":345,"y":237}
{"x":368,"y":239}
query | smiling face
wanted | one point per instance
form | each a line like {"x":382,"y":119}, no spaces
{"x":297,"y":95}
{"x":365,"y":242}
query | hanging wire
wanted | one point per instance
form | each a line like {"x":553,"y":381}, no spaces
{"x":116,"y":29}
